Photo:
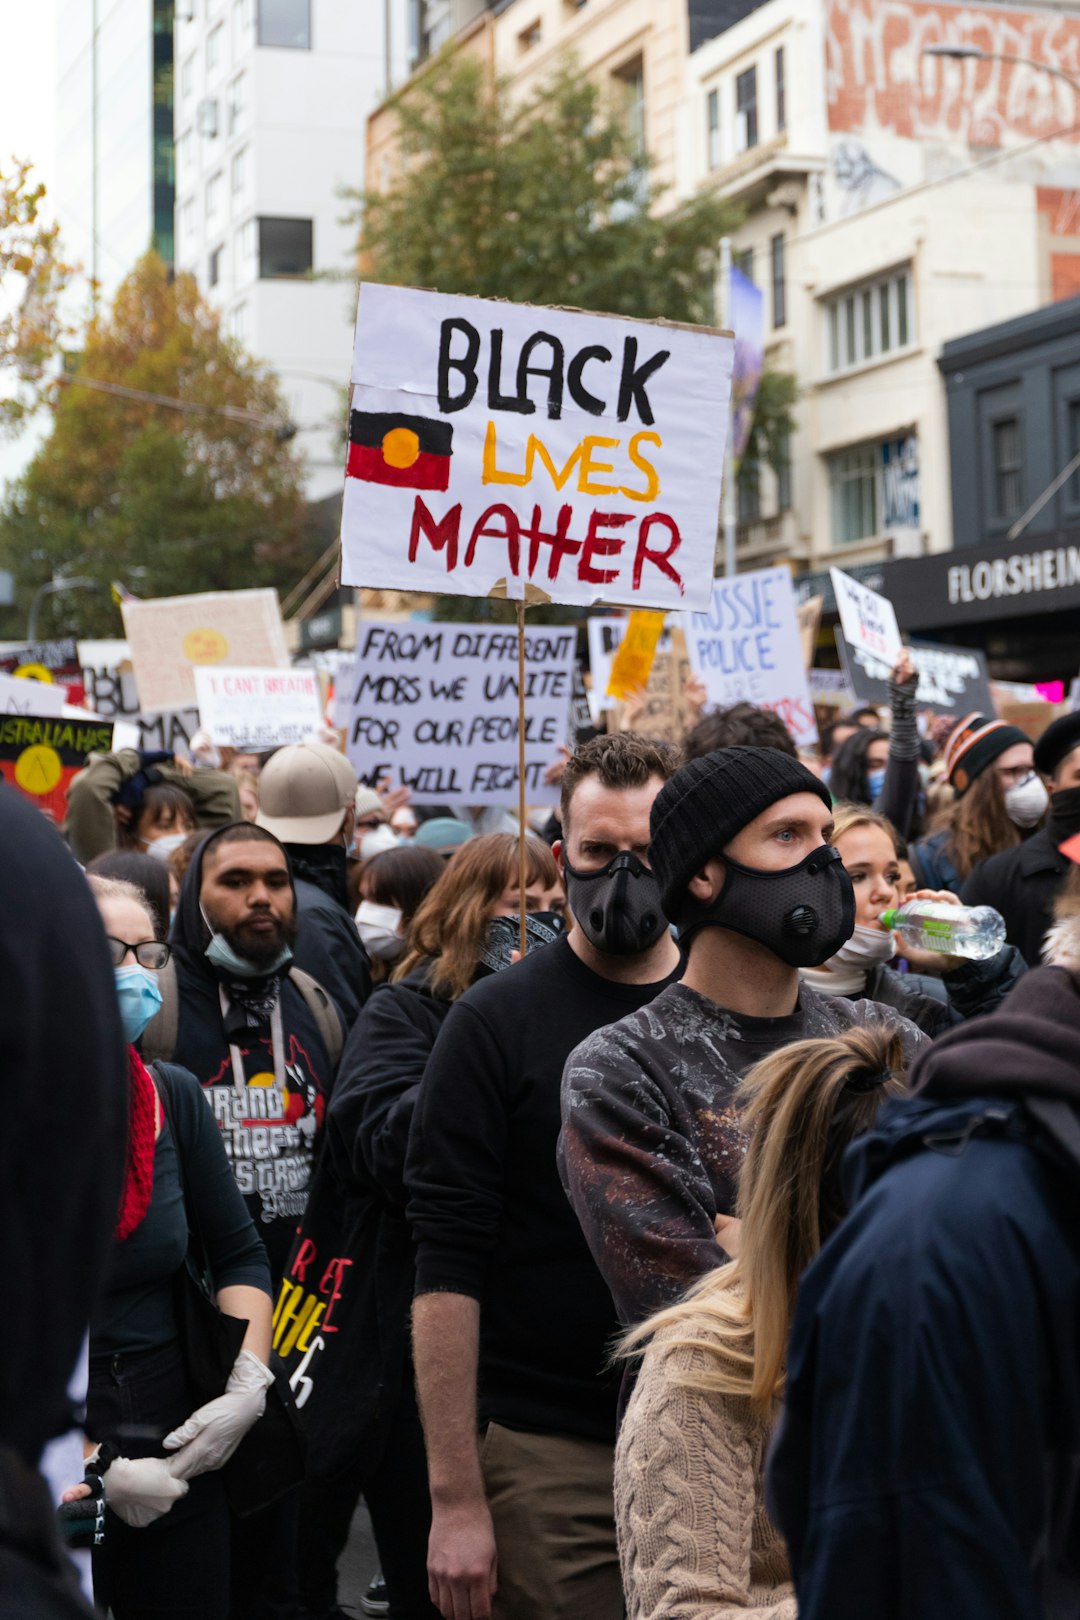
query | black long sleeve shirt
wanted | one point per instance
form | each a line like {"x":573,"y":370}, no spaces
{"x":486,"y":1204}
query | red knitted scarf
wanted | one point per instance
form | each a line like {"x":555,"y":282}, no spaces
{"x":142,"y":1133}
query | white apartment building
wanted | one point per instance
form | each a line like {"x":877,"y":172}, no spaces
{"x":893,"y":200}
{"x":271,"y":105}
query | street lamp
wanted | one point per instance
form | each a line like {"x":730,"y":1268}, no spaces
{"x":50,"y":589}
{"x":975,"y":53}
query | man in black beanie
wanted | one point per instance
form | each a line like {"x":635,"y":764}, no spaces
{"x":652,"y":1143}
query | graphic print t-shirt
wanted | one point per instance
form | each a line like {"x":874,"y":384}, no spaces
{"x":269,"y":1134}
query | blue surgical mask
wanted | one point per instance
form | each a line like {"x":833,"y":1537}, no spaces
{"x":140,"y":998}
{"x":222,"y":955}
{"x":875,"y":782}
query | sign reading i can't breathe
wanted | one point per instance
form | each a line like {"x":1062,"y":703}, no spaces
{"x":434,"y":707}
{"x":496,"y":444}
{"x":259,"y":708}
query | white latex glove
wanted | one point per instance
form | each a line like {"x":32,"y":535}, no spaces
{"x":211,"y":1435}
{"x":141,"y":1489}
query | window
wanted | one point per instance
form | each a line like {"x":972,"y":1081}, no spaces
{"x":237,"y":102}
{"x":530,"y":37}
{"x":783,"y":476}
{"x":779,"y":282}
{"x":781,"y":90}
{"x":748,"y":493}
{"x":285,"y":248}
{"x":1008,"y":467}
{"x":213,"y":47}
{"x":243,"y":19}
{"x":631,"y":79}
{"x":214,"y":273}
{"x":712,"y":129}
{"x":238,"y":322}
{"x":187,"y":77}
{"x":853,"y":483}
{"x":1072,"y":493}
{"x":213,"y":195}
{"x":746,"y":125}
{"x":185,"y":152}
{"x":743,"y":259}
{"x":868,"y":322}
{"x":286,"y":23}
{"x":239,"y":170}
{"x":187,"y":216}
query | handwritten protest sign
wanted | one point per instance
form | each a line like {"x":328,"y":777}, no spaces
{"x":110,"y":691}
{"x":830,"y":689}
{"x":44,"y":661}
{"x":40,"y":754}
{"x":496,"y":444}
{"x":170,"y":635}
{"x":808,"y":615}
{"x":635,"y":653}
{"x":434,"y":707}
{"x":868,"y":620}
{"x":259,"y":708}
{"x":19,"y":696}
{"x":952,"y":680}
{"x":746,"y":648}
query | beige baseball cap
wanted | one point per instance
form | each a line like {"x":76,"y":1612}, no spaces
{"x":304,"y":792}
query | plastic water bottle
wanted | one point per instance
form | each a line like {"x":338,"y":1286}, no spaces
{"x":932,"y":925}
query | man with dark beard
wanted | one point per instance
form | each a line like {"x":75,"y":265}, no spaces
{"x":261,"y":1038}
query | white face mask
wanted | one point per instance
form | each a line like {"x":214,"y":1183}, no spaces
{"x":866,"y":948}
{"x":162,"y":848}
{"x":378,"y":928}
{"x":1026,"y":801}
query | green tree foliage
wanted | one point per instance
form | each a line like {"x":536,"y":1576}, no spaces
{"x":166,"y":500}
{"x":33,"y":276}
{"x":543,"y":200}
{"x":773,"y":419}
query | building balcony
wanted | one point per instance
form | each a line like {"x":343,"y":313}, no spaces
{"x":769,"y":540}
{"x":752,"y":177}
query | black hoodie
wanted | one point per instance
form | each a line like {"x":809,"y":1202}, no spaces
{"x":269,"y":1137}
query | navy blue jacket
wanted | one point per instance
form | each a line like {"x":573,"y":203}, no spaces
{"x":927,"y":1465}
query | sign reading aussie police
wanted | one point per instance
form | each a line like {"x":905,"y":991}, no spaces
{"x":493,"y":442}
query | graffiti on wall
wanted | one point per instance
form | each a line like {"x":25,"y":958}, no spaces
{"x":1061,"y":211}
{"x":878,"y":77}
{"x":860,"y":180}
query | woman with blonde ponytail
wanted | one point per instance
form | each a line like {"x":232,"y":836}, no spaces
{"x":694,"y":1538}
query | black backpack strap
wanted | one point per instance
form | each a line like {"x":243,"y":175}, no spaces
{"x":158,"y":1041}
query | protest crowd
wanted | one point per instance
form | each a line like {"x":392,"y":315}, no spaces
{"x":718,"y":1255}
{"x":559,"y":1092}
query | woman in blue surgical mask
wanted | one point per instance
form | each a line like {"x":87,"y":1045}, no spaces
{"x":152,"y":1451}
{"x":164,"y":819}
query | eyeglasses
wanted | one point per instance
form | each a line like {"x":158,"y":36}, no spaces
{"x":149,"y":953}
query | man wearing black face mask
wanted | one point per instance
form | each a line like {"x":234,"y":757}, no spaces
{"x":652,"y":1142}
{"x":512,"y":1320}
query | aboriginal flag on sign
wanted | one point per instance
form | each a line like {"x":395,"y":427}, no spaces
{"x":410,"y":452}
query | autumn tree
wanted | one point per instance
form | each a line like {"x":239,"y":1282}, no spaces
{"x":166,"y":499}
{"x":33,"y":276}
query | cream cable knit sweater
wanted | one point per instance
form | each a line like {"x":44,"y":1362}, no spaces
{"x":694,"y":1539}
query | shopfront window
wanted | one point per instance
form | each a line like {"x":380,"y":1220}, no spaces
{"x":853,"y":483}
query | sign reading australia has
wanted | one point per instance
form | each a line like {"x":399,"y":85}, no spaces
{"x":496,"y":444}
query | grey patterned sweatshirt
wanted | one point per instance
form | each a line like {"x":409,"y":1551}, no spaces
{"x":651,"y":1140}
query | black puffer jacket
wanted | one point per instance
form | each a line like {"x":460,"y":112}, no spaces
{"x":935,"y":1005}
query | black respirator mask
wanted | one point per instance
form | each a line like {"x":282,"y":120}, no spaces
{"x":802,"y":914}
{"x":618,"y":907}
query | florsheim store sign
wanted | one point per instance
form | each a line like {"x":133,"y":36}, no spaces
{"x":975,"y":584}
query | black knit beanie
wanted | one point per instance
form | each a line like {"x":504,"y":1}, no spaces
{"x":708,"y":802}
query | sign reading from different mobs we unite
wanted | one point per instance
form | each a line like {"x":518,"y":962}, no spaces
{"x":499,"y":445}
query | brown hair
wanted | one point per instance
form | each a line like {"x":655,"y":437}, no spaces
{"x":978,"y":824}
{"x":451,"y":922}
{"x":741,"y":725}
{"x":804,"y":1104}
{"x":623,"y":760}
{"x":401,"y":877}
{"x":163,"y":805}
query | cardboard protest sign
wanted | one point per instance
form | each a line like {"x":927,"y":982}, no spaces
{"x":110,"y":691}
{"x":434,"y":707}
{"x":635,"y":653}
{"x":868,"y":620}
{"x":808,"y":614}
{"x":582,"y":728}
{"x":1032,"y":718}
{"x":496,"y":445}
{"x":830,"y":692}
{"x":170,"y":635}
{"x":952,"y":680}
{"x":746,"y":648}
{"x":19,"y":696}
{"x":259,"y":708}
{"x":664,"y":712}
{"x":39,"y":755}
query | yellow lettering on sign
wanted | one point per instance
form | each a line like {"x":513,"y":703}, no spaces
{"x":633,"y":659}
{"x":584,"y":459}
